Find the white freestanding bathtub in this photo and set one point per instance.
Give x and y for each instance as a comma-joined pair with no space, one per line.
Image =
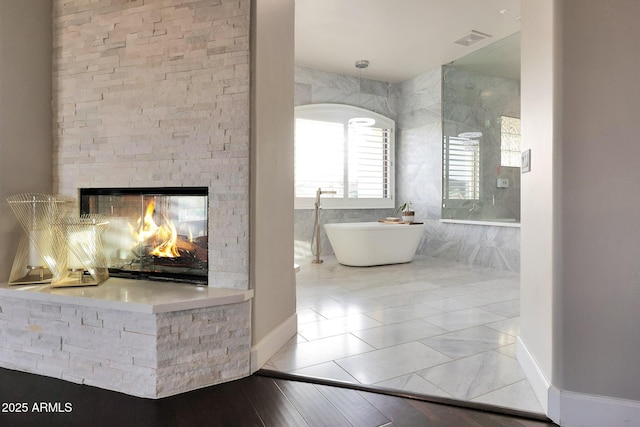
361,244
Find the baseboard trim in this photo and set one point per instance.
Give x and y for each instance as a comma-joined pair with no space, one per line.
539,382
270,344
571,409
577,409
554,404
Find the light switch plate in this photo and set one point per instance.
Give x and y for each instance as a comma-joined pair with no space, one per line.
526,161
502,183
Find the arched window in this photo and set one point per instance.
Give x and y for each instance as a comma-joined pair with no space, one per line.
345,149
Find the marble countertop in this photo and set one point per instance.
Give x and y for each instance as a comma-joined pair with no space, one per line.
140,296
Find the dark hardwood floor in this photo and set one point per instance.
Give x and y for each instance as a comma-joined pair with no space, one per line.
254,401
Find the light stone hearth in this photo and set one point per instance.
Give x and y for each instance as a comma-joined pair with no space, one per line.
142,338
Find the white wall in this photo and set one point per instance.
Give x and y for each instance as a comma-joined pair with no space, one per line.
537,206
600,246
580,240
271,206
25,112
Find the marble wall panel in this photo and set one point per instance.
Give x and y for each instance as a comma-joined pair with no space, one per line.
419,167
419,146
317,86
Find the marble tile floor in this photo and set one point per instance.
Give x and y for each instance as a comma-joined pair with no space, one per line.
433,326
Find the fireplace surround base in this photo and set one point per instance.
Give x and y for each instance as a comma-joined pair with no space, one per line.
145,339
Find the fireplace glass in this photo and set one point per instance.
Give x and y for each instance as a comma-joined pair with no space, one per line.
153,233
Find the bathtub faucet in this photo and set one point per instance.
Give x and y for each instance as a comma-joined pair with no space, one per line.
320,192
315,240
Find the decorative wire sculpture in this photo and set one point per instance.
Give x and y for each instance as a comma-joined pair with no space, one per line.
80,254
35,259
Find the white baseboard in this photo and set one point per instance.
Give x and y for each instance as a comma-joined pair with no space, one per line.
585,410
539,383
570,409
270,344
553,412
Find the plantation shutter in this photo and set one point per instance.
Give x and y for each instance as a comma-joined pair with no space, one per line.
368,153
461,160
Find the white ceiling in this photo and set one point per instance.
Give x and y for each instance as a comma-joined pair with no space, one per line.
400,38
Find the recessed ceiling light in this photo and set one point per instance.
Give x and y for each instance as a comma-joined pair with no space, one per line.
504,11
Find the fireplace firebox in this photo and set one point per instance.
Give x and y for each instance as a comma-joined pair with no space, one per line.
153,233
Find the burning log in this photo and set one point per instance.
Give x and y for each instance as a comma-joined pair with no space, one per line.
163,244
192,249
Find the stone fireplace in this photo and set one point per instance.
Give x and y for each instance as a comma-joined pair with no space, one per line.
155,94
142,331
147,94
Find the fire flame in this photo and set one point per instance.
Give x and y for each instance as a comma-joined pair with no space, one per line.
163,238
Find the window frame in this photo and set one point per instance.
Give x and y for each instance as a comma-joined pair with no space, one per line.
341,113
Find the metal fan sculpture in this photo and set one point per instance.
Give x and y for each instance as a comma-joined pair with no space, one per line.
80,253
35,259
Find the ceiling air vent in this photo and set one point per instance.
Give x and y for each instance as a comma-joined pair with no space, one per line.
472,37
